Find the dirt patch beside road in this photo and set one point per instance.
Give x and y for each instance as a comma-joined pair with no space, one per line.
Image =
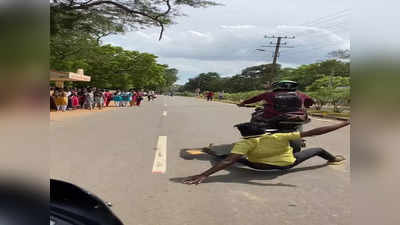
60,116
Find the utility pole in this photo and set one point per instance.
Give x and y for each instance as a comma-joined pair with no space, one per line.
276,53
277,45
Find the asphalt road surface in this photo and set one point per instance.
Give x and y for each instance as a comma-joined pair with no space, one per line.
131,157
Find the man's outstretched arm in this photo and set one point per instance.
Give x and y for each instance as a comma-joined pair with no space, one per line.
254,99
228,161
324,130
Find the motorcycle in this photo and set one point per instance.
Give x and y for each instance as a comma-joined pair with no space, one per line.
255,127
72,205
281,123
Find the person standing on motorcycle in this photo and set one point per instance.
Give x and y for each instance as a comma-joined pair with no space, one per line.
279,88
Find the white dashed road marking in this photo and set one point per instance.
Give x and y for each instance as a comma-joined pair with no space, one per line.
160,159
324,120
164,113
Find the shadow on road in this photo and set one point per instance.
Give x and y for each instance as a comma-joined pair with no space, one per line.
241,174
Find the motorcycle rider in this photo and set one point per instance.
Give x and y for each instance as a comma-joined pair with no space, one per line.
282,90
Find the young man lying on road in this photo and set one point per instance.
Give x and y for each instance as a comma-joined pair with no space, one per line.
271,151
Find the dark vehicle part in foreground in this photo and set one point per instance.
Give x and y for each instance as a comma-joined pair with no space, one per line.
71,205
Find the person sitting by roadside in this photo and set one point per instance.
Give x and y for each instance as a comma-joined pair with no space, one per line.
270,151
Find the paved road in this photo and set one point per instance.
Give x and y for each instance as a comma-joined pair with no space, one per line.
112,154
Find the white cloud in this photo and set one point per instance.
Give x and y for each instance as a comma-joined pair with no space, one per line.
237,26
228,51
144,35
199,34
224,39
304,30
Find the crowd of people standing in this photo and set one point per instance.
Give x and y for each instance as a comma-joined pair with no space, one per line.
63,99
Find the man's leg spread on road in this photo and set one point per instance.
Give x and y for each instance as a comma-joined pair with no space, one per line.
312,152
300,157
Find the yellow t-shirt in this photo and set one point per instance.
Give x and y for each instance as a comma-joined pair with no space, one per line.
271,149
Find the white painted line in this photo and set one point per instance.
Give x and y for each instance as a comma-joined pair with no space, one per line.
323,120
164,113
160,159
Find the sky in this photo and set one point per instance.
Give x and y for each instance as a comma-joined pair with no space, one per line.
224,38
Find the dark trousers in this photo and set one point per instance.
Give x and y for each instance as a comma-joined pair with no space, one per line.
300,157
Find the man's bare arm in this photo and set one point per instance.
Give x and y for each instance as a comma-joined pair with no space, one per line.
228,161
324,130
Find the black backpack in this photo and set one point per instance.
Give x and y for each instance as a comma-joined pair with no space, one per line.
285,102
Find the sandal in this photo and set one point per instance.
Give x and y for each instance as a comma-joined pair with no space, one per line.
338,161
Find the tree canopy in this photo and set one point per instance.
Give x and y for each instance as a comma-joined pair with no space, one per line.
330,89
107,16
305,75
251,78
205,81
254,77
76,29
114,67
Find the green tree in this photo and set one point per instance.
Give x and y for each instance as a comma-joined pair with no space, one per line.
305,75
76,29
331,89
340,97
321,98
329,82
171,76
259,75
125,14
251,78
254,77
114,67
205,81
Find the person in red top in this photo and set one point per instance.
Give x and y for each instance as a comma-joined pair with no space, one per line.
279,87
139,97
107,97
210,96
